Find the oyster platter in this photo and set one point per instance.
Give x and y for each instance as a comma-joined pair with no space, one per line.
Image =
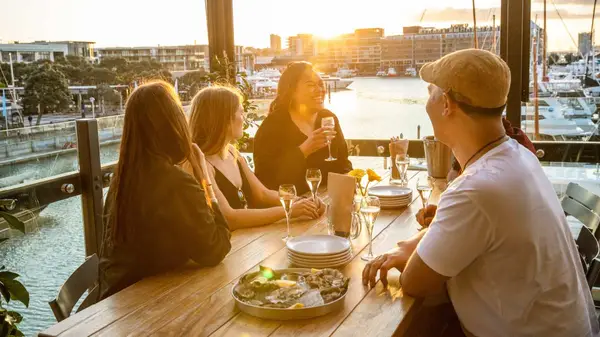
293,293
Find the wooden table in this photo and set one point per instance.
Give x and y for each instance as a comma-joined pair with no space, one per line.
196,301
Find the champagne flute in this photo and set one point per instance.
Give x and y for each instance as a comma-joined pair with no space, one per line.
287,194
402,161
329,123
369,209
313,179
424,191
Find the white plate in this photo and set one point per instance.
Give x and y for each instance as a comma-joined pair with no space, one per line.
389,191
320,257
318,244
320,265
305,260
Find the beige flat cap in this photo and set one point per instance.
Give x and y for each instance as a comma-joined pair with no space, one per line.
480,78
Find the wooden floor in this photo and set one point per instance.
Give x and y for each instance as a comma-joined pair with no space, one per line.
196,301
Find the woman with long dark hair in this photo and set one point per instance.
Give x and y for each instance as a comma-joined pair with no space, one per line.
157,216
216,122
291,139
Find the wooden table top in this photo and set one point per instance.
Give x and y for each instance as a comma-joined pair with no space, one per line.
196,301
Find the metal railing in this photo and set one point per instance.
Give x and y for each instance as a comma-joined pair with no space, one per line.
92,176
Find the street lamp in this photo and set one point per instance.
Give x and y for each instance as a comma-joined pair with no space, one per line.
92,99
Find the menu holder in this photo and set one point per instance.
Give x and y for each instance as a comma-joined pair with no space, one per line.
341,190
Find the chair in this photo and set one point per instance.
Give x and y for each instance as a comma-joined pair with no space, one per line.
85,277
587,199
588,248
582,213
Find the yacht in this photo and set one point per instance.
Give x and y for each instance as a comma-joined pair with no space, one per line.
410,72
552,122
345,73
391,72
335,83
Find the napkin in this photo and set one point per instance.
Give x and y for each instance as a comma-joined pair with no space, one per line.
341,190
397,146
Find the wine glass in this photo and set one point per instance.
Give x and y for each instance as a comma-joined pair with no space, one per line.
329,123
402,161
424,191
369,209
287,194
313,179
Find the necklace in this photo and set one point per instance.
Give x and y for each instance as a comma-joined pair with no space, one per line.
483,148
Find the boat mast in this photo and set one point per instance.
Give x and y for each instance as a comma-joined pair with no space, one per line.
536,116
494,33
587,58
475,27
545,57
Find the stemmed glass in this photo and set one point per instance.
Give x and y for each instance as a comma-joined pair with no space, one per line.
287,194
424,191
313,179
402,161
329,123
369,209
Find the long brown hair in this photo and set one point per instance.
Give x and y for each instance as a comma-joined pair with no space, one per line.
288,83
155,132
213,110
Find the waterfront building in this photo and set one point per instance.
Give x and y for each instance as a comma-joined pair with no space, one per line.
45,50
302,45
174,58
584,43
275,43
360,50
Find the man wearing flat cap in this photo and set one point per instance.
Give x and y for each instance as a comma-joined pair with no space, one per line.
499,243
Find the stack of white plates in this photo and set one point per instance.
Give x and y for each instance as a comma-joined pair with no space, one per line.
392,196
319,251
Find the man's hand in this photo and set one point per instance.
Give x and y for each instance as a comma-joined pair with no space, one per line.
397,258
426,215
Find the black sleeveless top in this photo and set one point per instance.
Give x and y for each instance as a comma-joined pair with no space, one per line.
237,198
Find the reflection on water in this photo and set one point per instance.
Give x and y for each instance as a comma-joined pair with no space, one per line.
45,258
373,108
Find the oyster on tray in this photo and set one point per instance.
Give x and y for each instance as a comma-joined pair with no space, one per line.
291,290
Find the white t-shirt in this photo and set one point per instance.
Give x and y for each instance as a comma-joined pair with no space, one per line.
501,236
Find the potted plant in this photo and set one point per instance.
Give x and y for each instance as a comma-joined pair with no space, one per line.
11,289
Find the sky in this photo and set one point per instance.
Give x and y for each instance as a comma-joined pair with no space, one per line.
153,22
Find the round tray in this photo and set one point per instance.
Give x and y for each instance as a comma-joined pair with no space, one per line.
288,314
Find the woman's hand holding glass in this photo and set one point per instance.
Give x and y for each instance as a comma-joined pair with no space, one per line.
316,141
305,207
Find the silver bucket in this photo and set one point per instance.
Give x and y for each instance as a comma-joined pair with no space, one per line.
439,157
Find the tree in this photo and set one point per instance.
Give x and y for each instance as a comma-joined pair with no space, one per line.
193,81
570,57
48,89
553,59
106,95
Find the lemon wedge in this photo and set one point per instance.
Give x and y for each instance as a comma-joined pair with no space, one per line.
314,271
285,283
297,306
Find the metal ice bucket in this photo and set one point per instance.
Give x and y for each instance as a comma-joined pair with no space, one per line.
439,157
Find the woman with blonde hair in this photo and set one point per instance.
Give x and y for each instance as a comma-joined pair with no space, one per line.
216,122
157,216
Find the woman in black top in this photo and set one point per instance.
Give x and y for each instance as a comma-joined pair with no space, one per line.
157,216
216,121
291,139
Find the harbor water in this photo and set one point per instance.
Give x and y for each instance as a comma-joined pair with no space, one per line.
370,108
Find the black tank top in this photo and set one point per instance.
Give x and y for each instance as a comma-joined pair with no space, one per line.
237,198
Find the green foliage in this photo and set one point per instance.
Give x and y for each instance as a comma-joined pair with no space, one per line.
104,91
46,87
553,59
11,289
192,82
225,73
